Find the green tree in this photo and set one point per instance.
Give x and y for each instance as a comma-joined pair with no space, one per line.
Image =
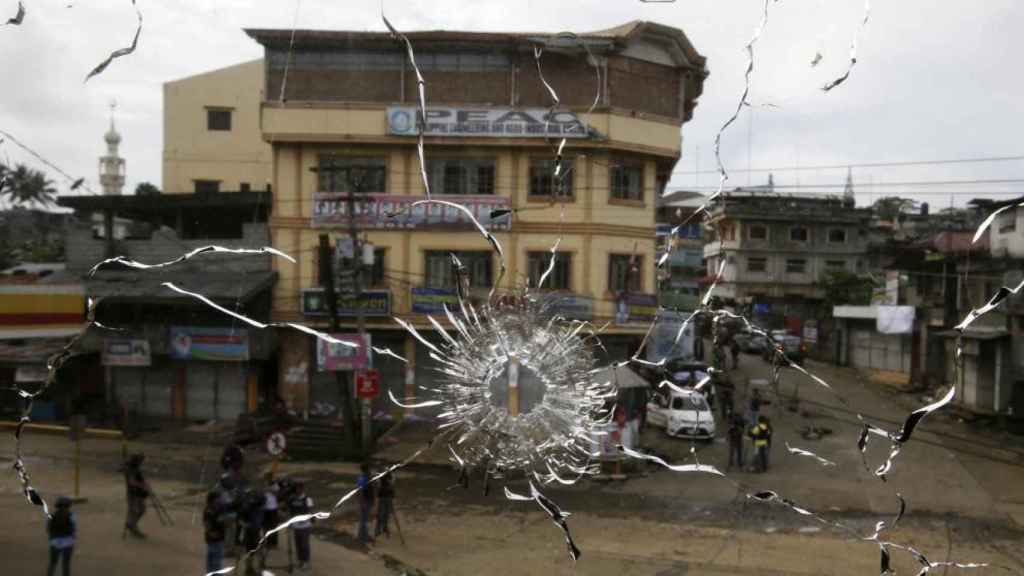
23,185
146,189
843,287
890,207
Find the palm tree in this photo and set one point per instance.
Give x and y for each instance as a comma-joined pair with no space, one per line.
23,185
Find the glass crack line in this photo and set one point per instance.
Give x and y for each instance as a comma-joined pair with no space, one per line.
853,51
125,261
120,51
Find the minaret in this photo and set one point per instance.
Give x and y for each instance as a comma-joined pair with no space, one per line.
848,189
112,165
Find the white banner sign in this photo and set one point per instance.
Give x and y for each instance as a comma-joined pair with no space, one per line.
497,122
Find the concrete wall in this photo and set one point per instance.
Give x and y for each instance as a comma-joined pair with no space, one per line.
84,251
191,152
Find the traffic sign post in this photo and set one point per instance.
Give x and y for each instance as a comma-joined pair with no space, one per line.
276,445
368,384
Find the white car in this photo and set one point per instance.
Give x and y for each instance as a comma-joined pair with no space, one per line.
682,413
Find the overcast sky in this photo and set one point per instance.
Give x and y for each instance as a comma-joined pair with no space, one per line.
934,80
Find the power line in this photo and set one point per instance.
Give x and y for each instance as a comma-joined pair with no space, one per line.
867,165
910,183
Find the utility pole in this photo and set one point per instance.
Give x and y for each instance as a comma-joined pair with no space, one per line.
344,384
357,281
326,255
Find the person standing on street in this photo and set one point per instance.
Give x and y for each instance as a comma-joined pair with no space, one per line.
61,528
300,504
760,434
252,513
735,436
385,504
214,531
227,489
137,491
734,348
366,498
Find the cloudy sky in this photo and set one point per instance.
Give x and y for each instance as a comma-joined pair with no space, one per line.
934,80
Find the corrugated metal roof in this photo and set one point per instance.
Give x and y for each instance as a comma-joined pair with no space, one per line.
148,285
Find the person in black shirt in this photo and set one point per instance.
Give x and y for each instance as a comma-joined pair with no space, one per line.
252,516
137,491
300,504
61,530
214,531
385,504
735,435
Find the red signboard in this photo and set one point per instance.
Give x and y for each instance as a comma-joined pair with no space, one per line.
368,384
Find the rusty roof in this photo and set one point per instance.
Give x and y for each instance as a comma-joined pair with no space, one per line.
616,36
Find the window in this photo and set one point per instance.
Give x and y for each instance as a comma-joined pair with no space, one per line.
837,236
352,174
461,176
835,264
244,187
796,265
757,264
627,181
206,186
218,119
757,232
798,234
543,181
728,231
477,263
559,279
374,275
624,273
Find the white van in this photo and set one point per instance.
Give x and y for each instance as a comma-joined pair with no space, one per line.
682,413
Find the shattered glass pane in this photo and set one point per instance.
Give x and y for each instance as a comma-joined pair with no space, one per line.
524,390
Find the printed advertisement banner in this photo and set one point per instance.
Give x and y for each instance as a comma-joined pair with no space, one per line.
332,357
432,300
126,352
396,211
375,303
217,344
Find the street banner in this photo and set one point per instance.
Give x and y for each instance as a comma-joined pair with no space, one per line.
432,300
201,343
396,211
570,306
331,357
126,352
636,308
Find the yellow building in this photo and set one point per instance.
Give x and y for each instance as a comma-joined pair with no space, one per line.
347,124
212,139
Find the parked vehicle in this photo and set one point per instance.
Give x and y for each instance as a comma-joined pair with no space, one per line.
792,346
751,342
682,413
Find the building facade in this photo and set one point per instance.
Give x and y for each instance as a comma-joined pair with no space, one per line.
680,276
776,248
212,139
344,119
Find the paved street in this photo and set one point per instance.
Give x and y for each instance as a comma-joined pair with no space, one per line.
962,488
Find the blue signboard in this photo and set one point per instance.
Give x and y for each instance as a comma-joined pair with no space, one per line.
217,344
432,300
